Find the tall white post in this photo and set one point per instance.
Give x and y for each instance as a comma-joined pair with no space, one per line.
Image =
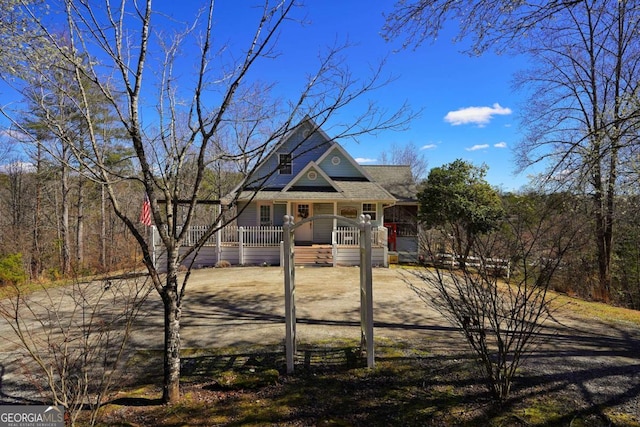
366,290
289,292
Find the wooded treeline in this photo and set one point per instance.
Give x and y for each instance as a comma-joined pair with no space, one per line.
55,240
578,273
60,235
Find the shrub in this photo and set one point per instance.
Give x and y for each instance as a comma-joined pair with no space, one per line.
11,270
223,264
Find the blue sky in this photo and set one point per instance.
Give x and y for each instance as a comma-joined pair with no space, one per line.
468,109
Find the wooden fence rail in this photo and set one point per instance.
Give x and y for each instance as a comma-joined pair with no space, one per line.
499,265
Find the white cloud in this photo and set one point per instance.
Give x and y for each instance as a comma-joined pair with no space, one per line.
428,147
365,160
477,147
475,115
500,145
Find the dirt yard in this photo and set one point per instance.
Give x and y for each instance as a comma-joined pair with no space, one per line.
598,360
237,306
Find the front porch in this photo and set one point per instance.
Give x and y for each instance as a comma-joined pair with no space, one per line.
262,245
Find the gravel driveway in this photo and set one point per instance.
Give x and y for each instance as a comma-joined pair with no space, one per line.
245,306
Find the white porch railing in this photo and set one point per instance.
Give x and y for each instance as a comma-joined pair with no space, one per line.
251,244
350,236
260,236
195,233
232,235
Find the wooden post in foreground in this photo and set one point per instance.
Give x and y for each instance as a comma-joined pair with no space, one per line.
289,293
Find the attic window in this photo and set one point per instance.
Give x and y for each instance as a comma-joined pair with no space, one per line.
284,165
335,160
312,175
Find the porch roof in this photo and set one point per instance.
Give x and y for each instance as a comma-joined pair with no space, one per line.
348,191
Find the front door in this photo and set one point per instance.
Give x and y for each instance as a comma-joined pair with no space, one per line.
303,234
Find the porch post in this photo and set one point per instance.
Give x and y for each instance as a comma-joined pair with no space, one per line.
385,245
366,290
219,242
241,245
289,292
334,246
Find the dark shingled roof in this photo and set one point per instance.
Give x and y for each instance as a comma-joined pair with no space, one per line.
347,190
396,179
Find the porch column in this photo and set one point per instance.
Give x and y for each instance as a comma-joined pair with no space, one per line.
334,242
219,242
335,212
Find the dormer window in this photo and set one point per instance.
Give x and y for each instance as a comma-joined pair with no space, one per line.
284,165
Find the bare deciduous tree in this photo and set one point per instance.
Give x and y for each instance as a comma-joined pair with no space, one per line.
408,155
500,318
582,117
136,54
580,120
76,336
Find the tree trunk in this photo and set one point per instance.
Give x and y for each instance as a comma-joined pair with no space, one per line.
604,240
65,250
172,313
36,259
35,266
80,224
604,261
103,230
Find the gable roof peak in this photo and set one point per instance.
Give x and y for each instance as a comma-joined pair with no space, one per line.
345,154
307,168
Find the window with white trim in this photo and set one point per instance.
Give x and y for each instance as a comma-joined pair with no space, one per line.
370,209
284,164
264,211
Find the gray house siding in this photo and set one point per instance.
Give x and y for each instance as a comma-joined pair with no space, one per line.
351,257
307,182
256,256
249,216
208,256
279,211
344,168
310,151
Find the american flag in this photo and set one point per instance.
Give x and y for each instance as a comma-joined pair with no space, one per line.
145,212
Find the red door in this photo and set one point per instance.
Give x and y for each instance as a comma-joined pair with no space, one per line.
392,235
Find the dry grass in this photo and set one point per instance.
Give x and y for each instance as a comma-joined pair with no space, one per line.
332,387
592,309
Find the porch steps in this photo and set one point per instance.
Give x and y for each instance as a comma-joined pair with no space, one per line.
316,255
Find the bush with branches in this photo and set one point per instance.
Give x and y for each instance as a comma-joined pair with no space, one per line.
499,316
75,336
